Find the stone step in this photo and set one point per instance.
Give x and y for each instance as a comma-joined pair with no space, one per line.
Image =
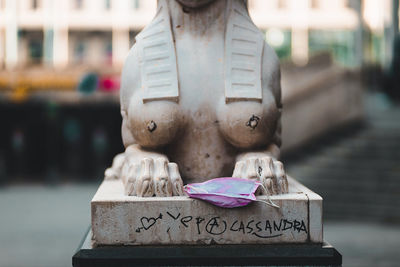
355,164
357,171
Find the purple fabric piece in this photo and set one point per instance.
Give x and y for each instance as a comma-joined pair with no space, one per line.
224,192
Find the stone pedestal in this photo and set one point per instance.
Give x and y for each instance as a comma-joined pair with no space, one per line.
128,220
207,255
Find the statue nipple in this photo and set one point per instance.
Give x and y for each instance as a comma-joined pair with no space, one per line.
151,126
253,122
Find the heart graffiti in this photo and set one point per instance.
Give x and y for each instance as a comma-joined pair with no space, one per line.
147,223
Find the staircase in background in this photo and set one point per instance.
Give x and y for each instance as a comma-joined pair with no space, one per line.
356,170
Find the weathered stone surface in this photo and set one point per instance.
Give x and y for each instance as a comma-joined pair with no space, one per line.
118,219
315,213
200,98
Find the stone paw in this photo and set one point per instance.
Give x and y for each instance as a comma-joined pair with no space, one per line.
152,177
113,173
268,171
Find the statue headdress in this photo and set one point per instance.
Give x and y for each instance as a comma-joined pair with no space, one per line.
243,54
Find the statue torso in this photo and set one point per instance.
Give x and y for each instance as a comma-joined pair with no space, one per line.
200,132
201,152
200,87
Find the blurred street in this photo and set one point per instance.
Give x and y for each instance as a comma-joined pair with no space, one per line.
43,225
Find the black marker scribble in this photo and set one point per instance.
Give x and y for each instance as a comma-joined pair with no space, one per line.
147,223
213,226
271,236
218,226
198,221
185,220
173,217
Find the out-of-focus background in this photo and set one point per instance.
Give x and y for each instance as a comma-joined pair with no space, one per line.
60,63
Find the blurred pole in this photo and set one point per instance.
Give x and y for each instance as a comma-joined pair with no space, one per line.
100,145
10,16
60,48
18,146
300,46
120,32
120,46
300,27
73,153
2,50
60,36
52,142
359,38
391,30
3,174
47,32
395,16
48,46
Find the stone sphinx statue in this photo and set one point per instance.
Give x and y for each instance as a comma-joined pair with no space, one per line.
200,99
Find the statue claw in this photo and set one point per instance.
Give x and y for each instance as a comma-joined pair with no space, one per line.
153,177
267,170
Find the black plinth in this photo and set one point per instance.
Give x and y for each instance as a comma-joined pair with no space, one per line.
211,255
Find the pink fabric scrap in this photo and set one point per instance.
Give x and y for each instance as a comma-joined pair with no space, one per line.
226,192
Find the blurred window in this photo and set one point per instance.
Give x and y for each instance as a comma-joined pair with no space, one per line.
136,4
34,4
35,51
315,4
339,43
282,4
79,51
107,4
108,50
78,4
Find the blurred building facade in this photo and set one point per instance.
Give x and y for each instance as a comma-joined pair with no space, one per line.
49,49
69,32
62,33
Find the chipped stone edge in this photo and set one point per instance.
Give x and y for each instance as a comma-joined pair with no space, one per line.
315,213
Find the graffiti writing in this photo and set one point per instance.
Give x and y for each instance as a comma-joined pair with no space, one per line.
217,226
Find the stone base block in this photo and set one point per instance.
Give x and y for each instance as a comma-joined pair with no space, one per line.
204,255
128,220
